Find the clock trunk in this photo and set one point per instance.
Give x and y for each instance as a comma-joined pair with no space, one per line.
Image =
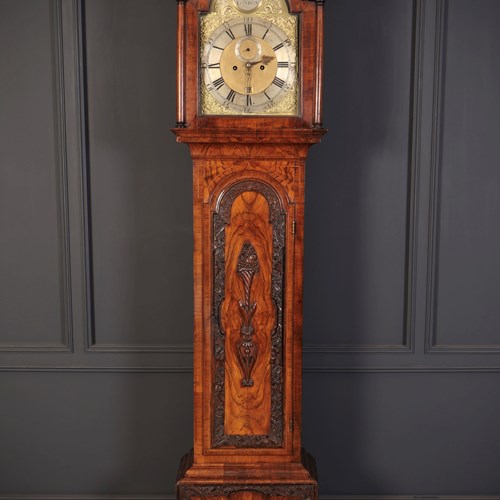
248,199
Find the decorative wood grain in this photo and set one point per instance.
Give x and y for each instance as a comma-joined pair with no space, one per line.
284,172
247,412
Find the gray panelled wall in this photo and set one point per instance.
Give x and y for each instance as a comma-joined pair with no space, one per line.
402,271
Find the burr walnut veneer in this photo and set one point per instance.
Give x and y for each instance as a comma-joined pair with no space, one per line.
248,192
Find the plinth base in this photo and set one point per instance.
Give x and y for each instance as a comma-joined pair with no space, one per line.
248,482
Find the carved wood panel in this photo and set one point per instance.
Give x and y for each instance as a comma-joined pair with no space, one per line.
248,270
248,491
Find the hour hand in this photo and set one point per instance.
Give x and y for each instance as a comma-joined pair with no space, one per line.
265,60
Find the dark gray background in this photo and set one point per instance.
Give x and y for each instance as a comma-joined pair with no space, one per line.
402,267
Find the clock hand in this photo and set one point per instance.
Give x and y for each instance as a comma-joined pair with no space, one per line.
248,71
248,78
265,60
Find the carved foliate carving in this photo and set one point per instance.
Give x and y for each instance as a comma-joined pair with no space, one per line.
304,491
247,267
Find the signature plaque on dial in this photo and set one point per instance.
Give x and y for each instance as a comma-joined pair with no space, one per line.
247,5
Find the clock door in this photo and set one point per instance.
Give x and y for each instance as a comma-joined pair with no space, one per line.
250,343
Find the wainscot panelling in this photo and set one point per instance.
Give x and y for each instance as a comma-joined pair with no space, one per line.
93,433
62,181
138,236
464,271
372,442
35,285
361,217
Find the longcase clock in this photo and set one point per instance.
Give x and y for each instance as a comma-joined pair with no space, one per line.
249,106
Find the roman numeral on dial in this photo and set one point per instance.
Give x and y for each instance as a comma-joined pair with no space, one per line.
278,82
220,82
281,45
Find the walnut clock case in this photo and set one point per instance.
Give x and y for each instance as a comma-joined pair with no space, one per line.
249,84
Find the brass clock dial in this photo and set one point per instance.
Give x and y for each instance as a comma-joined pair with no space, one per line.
248,65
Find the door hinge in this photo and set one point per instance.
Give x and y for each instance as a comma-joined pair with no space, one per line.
290,425
294,226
